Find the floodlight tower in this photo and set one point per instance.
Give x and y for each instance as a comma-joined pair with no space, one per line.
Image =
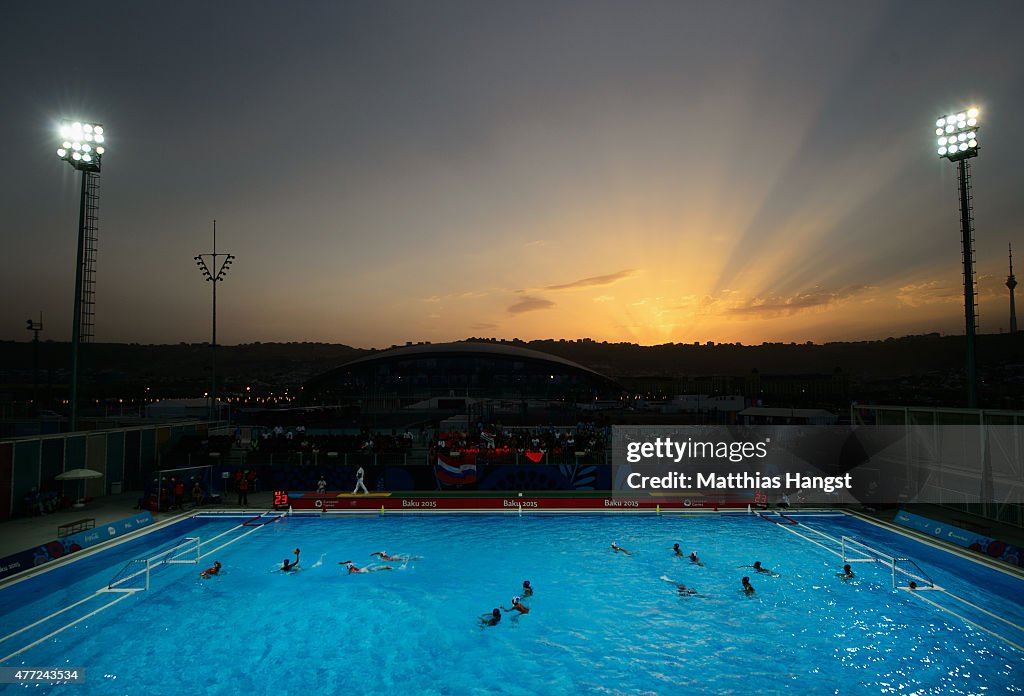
82,146
214,273
35,327
958,142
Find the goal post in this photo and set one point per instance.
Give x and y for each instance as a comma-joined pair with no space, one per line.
185,551
855,551
166,481
903,569
134,576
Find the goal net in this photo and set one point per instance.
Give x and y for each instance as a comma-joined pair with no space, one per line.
135,575
186,486
902,568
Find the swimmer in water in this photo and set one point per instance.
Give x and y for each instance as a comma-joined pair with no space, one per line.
682,589
288,565
693,559
912,585
353,568
211,571
678,551
491,619
385,557
619,549
748,589
527,589
757,566
517,605
847,573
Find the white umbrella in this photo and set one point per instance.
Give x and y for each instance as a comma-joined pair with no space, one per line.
78,475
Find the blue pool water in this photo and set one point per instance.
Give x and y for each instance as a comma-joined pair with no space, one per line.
600,622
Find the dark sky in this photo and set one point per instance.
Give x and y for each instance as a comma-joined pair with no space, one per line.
393,171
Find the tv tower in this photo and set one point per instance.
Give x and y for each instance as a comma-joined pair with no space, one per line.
1011,283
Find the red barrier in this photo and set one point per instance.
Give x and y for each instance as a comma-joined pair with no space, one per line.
313,501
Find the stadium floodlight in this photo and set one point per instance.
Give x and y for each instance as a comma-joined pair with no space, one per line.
214,272
958,135
78,140
80,146
36,326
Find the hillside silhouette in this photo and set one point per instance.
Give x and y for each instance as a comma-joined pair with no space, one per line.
924,367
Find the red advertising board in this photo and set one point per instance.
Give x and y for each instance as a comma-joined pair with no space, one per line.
348,502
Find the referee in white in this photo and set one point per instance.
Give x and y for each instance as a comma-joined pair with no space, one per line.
359,481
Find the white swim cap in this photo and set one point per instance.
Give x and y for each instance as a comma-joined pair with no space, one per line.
515,600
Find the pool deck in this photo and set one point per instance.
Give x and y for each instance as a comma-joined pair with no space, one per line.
26,532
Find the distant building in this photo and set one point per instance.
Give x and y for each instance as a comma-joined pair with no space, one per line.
797,388
703,403
448,372
760,415
192,409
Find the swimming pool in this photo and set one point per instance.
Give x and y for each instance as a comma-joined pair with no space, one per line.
600,622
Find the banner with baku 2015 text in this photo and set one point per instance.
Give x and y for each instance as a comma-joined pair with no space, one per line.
36,556
993,548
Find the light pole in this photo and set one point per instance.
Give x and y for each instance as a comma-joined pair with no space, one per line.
958,142
214,273
35,327
82,146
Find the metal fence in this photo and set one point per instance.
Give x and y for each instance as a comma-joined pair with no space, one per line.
974,458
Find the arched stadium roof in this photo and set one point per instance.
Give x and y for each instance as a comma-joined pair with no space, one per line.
465,349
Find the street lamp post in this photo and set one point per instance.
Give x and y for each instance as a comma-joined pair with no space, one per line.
958,142
214,273
82,146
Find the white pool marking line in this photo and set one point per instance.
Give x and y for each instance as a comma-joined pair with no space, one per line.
280,516
106,545
81,601
935,588
788,528
201,542
47,618
86,599
935,604
230,541
922,538
64,628
126,594
984,611
892,559
869,558
161,557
